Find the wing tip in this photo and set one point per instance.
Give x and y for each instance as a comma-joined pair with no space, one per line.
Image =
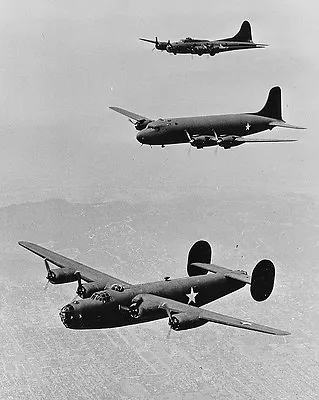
283,333
23,243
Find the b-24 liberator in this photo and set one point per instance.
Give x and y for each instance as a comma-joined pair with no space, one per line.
108,302
227,130
241,41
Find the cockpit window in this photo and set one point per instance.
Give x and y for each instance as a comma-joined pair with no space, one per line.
104,297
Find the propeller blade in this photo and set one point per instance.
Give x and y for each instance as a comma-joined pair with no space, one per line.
74,298
50,274
46,286
168,336
188,136
168,311
215,136
47,266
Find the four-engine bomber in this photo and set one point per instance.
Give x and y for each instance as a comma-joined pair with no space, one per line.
241,41
107,302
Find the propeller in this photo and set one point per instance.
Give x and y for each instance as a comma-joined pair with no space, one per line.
156,44
216,137
50,274
169,46
190,139
219,140
80,291
170,319
133,122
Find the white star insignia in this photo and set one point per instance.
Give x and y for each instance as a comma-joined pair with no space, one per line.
191,296
248,126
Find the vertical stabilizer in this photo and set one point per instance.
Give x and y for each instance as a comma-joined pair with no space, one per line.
272,108
244,34
200,252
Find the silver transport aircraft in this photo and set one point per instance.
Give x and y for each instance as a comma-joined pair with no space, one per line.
226,130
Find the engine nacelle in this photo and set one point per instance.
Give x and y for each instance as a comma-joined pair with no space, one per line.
184,321
62,275
200,50
86,290
203,141
142,306
229,141
142,124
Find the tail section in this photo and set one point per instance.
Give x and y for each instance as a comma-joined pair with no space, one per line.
244,34
272,108
200,252
262,280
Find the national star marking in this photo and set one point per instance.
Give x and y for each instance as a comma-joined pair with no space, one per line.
191,296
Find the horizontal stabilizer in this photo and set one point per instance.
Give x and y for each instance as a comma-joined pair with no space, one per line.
128,114
241,276
283,124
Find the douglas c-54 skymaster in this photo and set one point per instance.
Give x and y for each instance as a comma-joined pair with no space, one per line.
109,302
241,41
227,130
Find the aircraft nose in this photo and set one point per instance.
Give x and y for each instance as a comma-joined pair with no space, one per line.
145,136
140,137
68,316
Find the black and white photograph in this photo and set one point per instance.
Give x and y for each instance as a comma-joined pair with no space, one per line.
159,202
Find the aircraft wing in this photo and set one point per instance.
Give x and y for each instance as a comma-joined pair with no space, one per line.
148,40
172,306
260,140
88,274
129,114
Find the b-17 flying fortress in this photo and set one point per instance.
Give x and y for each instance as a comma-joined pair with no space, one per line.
108,302
241,41
226,131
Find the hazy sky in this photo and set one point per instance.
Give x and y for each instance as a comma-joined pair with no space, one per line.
63,63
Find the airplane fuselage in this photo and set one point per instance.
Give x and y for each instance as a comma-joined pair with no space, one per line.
94,313
201,47
178,130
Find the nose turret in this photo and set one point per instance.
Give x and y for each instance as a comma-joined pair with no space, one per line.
69,317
